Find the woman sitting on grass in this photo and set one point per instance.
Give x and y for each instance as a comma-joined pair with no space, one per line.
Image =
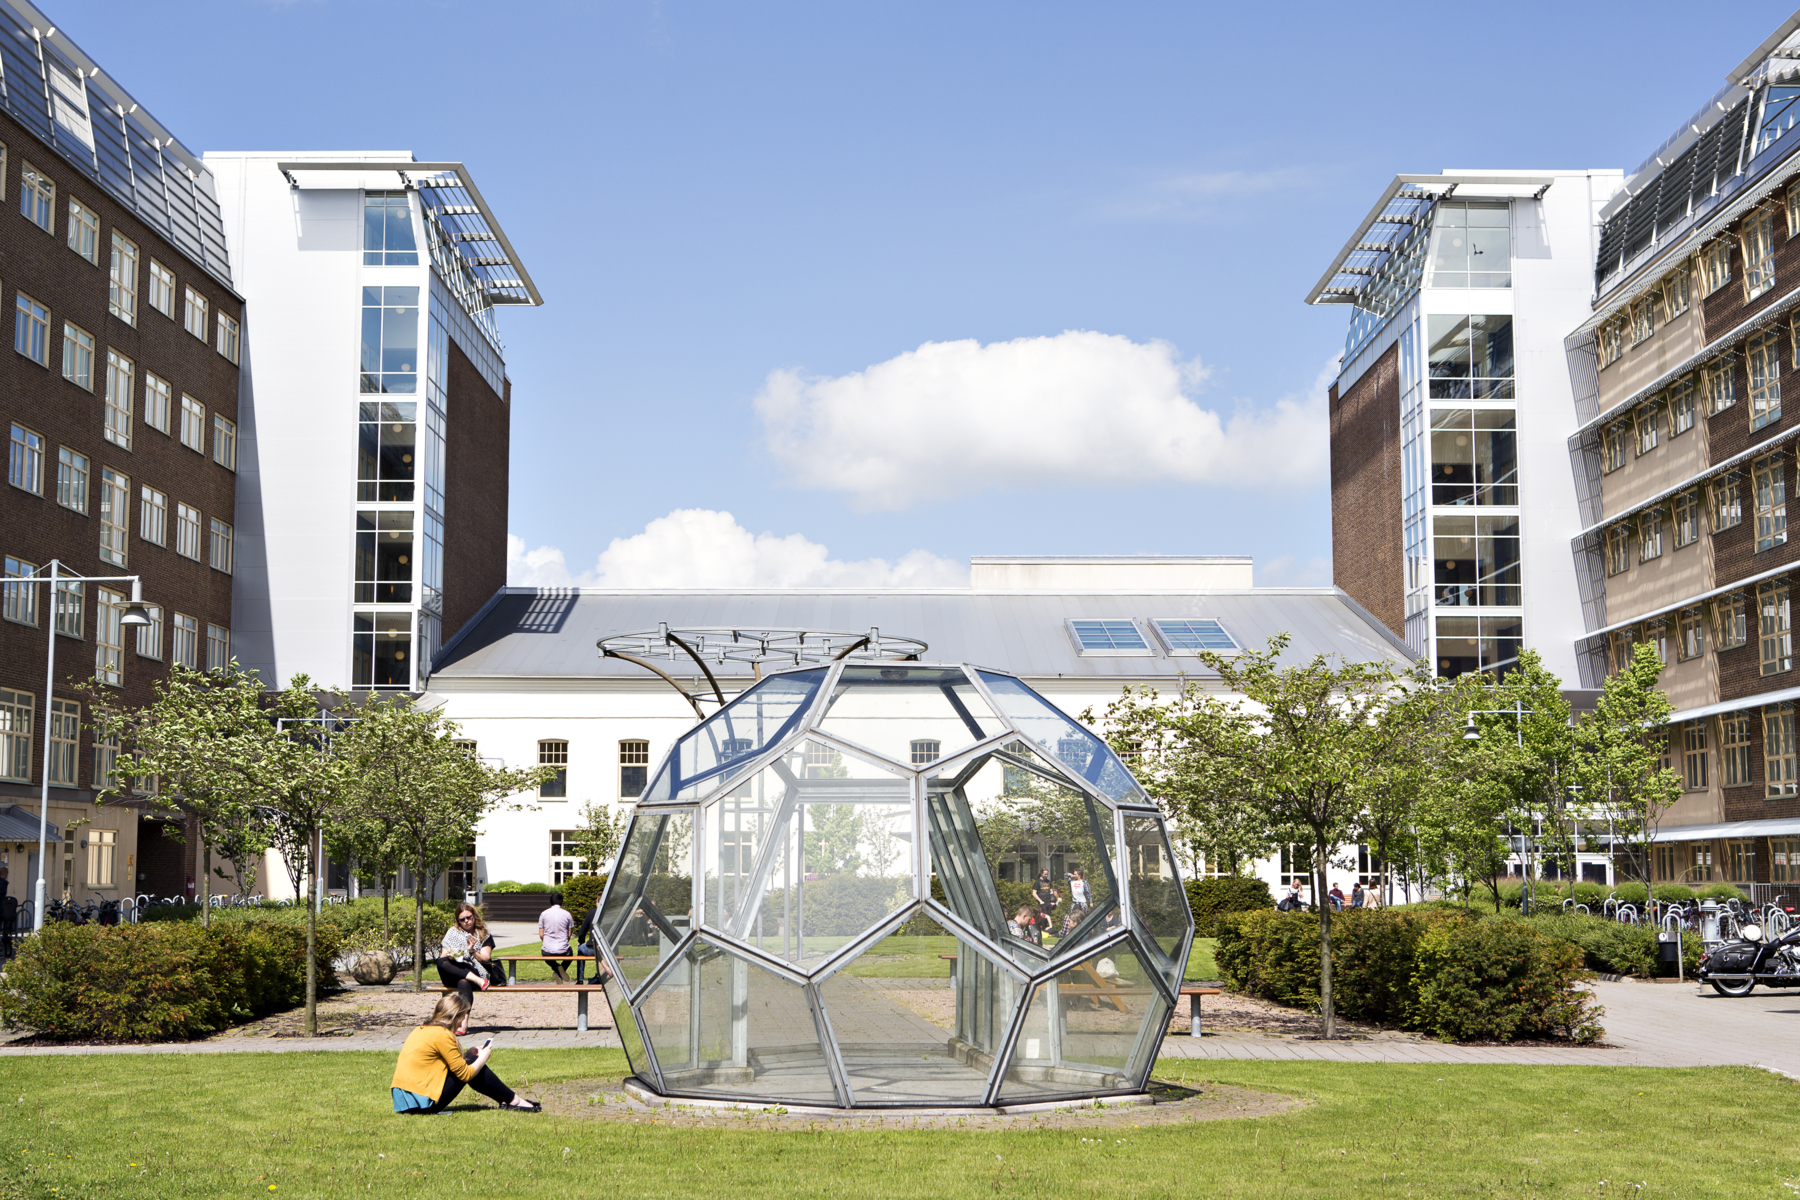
434,1068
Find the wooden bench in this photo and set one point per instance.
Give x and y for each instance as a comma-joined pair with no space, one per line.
1193,992
512,961
580,990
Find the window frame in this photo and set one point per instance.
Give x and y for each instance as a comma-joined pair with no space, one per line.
153,513
151,634
1768,476
18,727
229,344
65,744
37,197
1613,447
224,438
78,356
1731,621
1774,627
188,531
219,537
218,648
31,329
634,767
109,637
196,312
1762,369
1650,534
73,479
548,755
1756,241
1725,502
1715,264
1647,423
162,287
18,601
115,517
191,407
1073,626
122,279
1694,755
121,373
159,402
1618,548
1690,640
184,636
26,459
1677,283
1735,759
84,227
1171,646
1686,512
1779,759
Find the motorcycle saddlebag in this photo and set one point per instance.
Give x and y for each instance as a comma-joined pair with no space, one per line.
1734,958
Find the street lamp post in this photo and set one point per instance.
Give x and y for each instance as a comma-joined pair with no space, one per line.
135,615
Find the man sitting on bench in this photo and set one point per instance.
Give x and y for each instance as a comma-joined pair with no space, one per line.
554,927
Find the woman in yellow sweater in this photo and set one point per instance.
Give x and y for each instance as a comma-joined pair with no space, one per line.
434,1068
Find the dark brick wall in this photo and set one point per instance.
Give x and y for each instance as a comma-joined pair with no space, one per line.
36,528
1726,308
1367,547
477,442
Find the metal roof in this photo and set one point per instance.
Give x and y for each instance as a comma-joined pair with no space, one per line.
1774,827
19,824
550,633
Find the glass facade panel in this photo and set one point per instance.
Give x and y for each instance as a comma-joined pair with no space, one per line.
388,239
1475,560
1478,644
384,557
1471,357
1471,246
1093,1028
1474,456
390,339
1056,733
382,650
887,708
754,721
650,898
1159,906
387,451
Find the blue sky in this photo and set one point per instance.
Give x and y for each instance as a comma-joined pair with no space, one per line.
748,219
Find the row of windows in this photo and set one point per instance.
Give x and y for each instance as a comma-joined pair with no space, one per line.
1713,387
1719,504
1729,860
27,469
19,604
1736,764
1669,298
18,724
1178,635
37,202
634,768
1729,627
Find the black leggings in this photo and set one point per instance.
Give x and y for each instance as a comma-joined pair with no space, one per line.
460,976
485,1082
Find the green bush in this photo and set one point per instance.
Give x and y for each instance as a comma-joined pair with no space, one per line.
1722,891
1629,893
353,918
155,982
1668,893
1611,947
1208,898
579,896
1497,981
512,885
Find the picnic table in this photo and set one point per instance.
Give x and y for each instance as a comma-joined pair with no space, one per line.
512,961
1193,992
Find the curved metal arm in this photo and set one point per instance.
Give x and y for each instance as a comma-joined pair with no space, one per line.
858,644
702,665
648,666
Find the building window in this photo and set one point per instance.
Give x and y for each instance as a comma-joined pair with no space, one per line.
1681,408
71,479
926,750
37,198
387,452
1771,502
1731,621
123,279
565,860
1471,245
1734,750
1475,560
65,741
103,845
1687,519
118,399
1650,534
1727,503
18,601
149,637
390,339
1775,627
1619,650
1618,549
162,289
115,515
1779,777
186,644
1675,293
187,531
1693,634
15,737
84,231
109,637
25,460
634,768
1759,254
228,337
1693,755
1611,335
1739,859
1466,644
555,754
193,313
70,601
1656,636
218,648
1765,380
384,557
1109,636
31,330
1614,439
1715,265
219,546
1643,318
1471,357
193,424
224,442
1193,634
78,356
1474,456
388,239
1784,854
153,516
1720,388
157,397
382,647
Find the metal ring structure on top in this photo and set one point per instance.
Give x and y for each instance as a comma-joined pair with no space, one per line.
757,648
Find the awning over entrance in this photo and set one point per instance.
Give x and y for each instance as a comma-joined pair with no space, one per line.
1779,827
21,825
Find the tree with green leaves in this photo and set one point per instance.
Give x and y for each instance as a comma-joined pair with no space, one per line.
410,772
597,835
1621,747
376,852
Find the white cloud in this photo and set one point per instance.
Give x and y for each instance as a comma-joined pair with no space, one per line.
1289,571
701,548
1190,194
1078,409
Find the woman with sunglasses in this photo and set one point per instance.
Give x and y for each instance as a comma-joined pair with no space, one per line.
464,954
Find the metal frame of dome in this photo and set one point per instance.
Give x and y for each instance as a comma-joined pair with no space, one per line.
1017,973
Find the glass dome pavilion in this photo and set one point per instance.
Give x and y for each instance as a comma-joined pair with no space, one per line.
807,858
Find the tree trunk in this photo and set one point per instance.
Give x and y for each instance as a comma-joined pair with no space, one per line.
1328,1028
205,880
312,964
419,927
387,927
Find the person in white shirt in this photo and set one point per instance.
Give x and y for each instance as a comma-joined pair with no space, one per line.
555,924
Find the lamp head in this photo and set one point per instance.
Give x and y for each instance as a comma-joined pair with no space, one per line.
1470,733
136,615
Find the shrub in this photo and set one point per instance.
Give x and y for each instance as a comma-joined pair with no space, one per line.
160,981
1629,893
513,885
1722,891
579,896
1208,898
1499,980
1670,892
1611,947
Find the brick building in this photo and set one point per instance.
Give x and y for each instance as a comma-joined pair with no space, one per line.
121,404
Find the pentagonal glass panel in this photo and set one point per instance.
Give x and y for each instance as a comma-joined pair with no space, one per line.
1059,736
918,1018
913,715
809,853
755,721
1093,1028
626,1024
1159,905
723,1027
650,898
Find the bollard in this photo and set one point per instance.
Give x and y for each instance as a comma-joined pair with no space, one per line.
1709,921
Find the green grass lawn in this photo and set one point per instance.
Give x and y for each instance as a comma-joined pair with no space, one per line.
1200,964
298,1124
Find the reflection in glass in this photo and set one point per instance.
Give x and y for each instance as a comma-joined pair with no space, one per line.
626,1024
755,721
1474,456
651,893
1476,560
390,339
1159,905
1471,246
1057,734
1471,357
381,650
891,709
384,557
1092,1028
386,447
1467,644
388,231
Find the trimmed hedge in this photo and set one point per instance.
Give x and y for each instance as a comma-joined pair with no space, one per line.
579,895
1211,898
355,916
1434,970
163,981
509,886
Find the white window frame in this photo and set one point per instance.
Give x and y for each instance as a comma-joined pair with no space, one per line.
120,372
18,711
65,744
25,460
218,546
159,399
224,441
218,648
18,601
184,646
115,516
122,294
193,424
78,356
195,309
162,289
1173,650
229,338
109,637
153,516
73,474
37,197
187,531
84,231
1145,650
31,330
149,637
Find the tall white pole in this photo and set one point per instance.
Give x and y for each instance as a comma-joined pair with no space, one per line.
43,891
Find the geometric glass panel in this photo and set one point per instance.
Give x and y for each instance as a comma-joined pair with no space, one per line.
1159,905
756,720
912,715
723,1026
1060,737
1092,1028
648,906
626,1024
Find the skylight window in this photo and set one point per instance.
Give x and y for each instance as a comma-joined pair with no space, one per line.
1190,635
1109,637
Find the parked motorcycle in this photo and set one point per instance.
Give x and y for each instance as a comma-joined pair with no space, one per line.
1735,967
